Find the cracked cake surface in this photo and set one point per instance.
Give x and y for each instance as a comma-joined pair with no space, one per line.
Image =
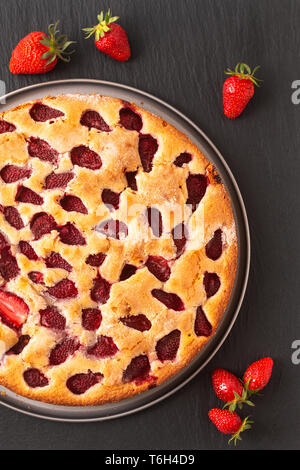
118,250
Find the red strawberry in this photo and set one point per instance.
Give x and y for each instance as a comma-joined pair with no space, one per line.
38,52
13,309
13,173
36,277
226,385
238,89
110,38
229,423
258,374
230,389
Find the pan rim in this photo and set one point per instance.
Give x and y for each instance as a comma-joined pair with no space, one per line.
244,275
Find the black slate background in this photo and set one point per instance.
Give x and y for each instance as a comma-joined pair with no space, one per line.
180,50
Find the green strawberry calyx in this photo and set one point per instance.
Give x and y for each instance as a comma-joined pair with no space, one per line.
246,424
57,45
102,27
240,400
243,71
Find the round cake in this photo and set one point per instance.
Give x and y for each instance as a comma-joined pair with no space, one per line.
118,250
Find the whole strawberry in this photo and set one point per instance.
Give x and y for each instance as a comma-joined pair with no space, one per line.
229,423
226,385
110,38
258,374
38,52
230,389
238,89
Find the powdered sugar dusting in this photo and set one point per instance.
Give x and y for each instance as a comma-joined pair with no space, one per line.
229,235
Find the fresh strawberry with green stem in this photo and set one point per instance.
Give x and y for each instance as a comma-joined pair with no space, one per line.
229,423
13,309
38,52
230,389
238,89
258,374
110,37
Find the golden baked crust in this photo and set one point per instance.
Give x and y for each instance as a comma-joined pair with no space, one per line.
160,184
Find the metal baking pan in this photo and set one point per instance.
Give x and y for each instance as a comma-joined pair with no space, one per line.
181,122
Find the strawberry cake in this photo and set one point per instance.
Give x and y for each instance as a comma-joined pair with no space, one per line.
118,250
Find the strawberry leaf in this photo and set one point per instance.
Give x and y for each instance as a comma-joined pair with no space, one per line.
102,27
243,71
246,424
241,400
56,45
